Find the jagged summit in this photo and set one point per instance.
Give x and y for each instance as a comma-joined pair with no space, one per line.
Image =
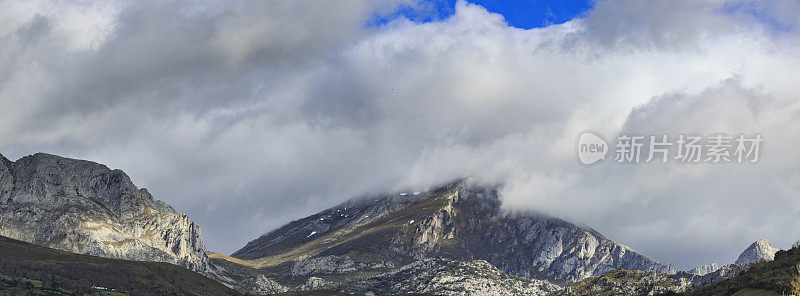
458,221
757,251
85,207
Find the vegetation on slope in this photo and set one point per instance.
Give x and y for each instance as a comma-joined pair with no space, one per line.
766,278
781,275
75,272
622,282
21,286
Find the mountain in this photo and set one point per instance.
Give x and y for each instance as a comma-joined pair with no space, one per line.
780,276
461,222
694,282
55,271
757,251
85,207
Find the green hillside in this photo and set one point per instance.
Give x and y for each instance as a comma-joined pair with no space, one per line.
28,266
778,277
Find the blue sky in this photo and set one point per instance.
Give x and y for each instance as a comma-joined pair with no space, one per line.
524,14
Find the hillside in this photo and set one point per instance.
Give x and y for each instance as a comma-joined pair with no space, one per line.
625,282
760,270
76,272
781,276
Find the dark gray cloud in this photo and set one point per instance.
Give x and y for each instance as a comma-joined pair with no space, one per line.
246,115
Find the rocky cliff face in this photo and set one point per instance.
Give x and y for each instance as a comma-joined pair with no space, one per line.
704,269
85,207
757,251
526,244
459,222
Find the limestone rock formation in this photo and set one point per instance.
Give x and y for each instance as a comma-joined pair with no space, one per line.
85,207
439,276
704,269
757,251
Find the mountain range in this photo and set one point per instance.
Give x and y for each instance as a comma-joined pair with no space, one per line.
454,239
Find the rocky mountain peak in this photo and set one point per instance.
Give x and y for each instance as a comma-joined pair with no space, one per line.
457,221
757,251
91,209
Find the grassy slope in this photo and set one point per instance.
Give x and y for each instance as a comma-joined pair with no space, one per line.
359,237
20,259
756,292
624,282
10,286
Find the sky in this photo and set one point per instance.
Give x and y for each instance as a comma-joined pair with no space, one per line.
248,114
524,14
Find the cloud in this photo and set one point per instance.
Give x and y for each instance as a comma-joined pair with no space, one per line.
246,115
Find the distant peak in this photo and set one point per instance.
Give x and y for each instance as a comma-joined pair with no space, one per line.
758,251
705,269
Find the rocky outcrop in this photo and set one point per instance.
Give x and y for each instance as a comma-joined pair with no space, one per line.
761,250
315,283
249,282
704,269
84,207
636,283
724,272
628,282
336,265
439,276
